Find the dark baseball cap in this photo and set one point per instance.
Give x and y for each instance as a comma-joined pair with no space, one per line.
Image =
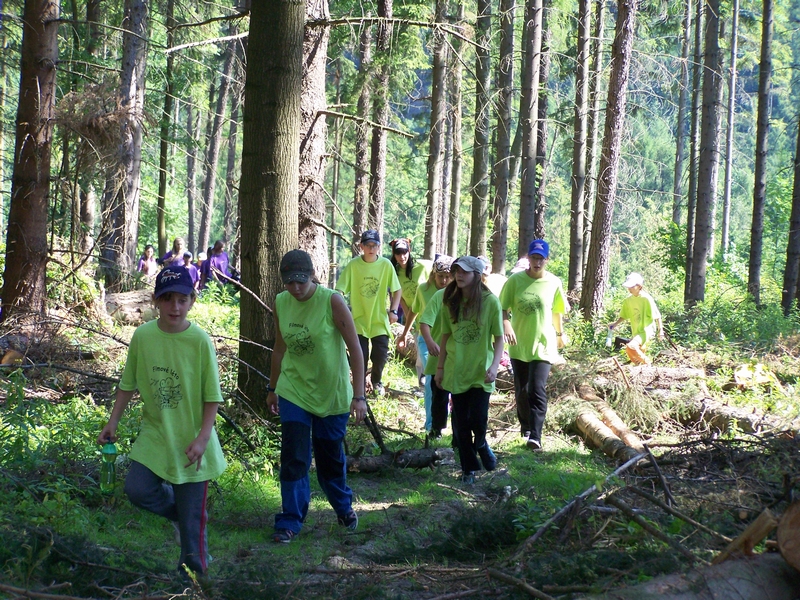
173,279
371,236
469,263
296,266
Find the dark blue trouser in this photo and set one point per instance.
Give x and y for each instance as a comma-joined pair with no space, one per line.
470,416
379,355
184,503
530,381
300,430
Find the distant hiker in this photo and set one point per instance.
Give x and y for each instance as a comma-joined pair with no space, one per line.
193,272
411,274
312,393
493,281
148,265
640,309
366,280
173,364
533,304
215,267
469,356
174,257
427,304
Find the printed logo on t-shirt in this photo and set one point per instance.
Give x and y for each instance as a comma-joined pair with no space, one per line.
411,288
467,332
299,343
166,386
369,288
529,303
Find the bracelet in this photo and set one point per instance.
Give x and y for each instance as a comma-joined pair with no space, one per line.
270,389
359,398
394,312
558,333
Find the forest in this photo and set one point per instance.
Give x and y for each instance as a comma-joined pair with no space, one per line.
651,137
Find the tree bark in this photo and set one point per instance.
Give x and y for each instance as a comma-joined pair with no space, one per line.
215,144
123,183
455,102
726,195
26,239
166,123
270,160
680,127
436,137
313,132
362,166
580,124
377,179
539,230
598,263
480,148
505,87
229,230
762,137
791,271
528,113
192,128
708,165
694,147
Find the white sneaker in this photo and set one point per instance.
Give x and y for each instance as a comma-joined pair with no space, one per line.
533,444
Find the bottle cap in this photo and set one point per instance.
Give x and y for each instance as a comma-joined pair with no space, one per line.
109,448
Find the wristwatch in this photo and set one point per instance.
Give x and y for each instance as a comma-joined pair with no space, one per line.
359,398
394,312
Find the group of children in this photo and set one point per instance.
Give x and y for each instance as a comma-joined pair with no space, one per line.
463,327
211,265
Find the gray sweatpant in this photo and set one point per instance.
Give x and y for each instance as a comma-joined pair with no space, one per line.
183,503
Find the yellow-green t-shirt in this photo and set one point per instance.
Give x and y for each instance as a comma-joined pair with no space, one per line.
470,347
532,303
176,374
366,284
419,274
642,312
430,316
315,374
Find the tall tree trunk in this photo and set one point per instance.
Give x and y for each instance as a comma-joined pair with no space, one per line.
726,195
88,202
122,189
480,148
791,271
338,144
231,175
362,166
762,137
436,136
270,162
166,123
3,88
455,102
313,237
579,149
93,18
680,127
708,165
215,143
528,113
597,266
447,174
694,146
192,127
593,125
505,87
541,132
26,239
377,178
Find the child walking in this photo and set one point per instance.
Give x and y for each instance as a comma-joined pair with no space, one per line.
173,364
469,356
640,309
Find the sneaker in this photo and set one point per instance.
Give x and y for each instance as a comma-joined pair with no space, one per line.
350,520
378,389
533,444
468,477
283,536
488,459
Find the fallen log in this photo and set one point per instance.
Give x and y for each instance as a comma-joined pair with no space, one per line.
602,436
762,576
404,459
610,417
789,535
722,418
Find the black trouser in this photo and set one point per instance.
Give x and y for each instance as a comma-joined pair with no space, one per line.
530,380
439,400
379,355
471,416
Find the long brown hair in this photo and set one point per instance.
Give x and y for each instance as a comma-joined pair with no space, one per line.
470,298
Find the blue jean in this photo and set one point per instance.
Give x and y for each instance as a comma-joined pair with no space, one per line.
300,431
471,416
422,357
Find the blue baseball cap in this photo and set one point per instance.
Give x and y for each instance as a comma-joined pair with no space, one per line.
539,247
173,279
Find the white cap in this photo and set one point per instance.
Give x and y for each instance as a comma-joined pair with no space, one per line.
633,280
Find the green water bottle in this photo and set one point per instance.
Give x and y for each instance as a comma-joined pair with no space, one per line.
108,470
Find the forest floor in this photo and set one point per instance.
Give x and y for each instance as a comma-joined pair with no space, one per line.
422,533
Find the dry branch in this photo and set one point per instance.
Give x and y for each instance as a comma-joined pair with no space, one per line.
519,584
408,459
661,478
749,538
